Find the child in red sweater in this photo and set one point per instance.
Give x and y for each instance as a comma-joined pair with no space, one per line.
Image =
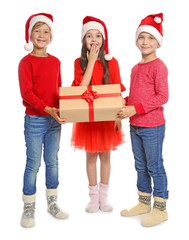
40,78
96,67
148,92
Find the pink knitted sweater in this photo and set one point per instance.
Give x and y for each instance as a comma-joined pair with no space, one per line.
148,92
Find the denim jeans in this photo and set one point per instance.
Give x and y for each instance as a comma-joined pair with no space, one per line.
147,144
42,133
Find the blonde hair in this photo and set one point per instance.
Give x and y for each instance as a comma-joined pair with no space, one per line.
39,24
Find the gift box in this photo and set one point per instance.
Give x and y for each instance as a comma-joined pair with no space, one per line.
90,103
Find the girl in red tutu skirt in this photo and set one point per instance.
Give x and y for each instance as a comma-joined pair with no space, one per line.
95,67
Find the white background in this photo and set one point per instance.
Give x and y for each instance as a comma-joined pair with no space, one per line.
122,18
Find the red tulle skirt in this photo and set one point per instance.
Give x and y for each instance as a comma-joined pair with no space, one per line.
96,136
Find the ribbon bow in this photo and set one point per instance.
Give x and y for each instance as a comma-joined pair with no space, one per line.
89,96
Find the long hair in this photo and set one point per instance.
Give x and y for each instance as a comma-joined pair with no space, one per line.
84,61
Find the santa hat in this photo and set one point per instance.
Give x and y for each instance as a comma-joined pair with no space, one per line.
32,20
95,23
152,24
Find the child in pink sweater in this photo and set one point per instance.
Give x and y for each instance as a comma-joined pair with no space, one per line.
148,92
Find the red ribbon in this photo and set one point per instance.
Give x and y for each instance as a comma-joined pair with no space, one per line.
89,95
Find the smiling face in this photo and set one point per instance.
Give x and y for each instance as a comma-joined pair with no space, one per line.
93,37
147,44
40,35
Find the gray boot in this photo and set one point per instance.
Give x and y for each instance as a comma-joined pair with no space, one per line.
28,216
53,208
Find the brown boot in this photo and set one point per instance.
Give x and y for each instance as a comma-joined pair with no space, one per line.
158,214
144,206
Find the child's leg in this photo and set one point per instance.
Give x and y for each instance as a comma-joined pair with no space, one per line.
91,159
35,128
51,148
34,133
143,177
93,205
153,147
105,168
153,142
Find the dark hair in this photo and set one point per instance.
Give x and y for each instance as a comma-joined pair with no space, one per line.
84,61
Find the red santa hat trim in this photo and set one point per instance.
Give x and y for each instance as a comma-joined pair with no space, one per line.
152,24
32,20
95,23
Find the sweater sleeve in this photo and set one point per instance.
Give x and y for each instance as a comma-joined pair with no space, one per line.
115,74
78,73
160,96
25,80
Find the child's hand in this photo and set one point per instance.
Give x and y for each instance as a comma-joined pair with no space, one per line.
117,126
93,54
127,112
54,113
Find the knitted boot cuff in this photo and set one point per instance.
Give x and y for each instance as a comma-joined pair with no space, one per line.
145,199
160,205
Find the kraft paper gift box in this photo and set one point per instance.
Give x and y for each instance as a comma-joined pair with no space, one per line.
90,103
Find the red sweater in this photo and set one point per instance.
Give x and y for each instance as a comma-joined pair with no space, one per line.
148,92
39,79
97,76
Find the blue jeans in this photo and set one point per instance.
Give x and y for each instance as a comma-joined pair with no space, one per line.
147,144
42,133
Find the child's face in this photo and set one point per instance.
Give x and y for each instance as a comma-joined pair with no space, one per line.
41,36
147,43
93,37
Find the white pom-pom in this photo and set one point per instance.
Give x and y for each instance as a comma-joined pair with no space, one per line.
108,57
157,19
28,47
